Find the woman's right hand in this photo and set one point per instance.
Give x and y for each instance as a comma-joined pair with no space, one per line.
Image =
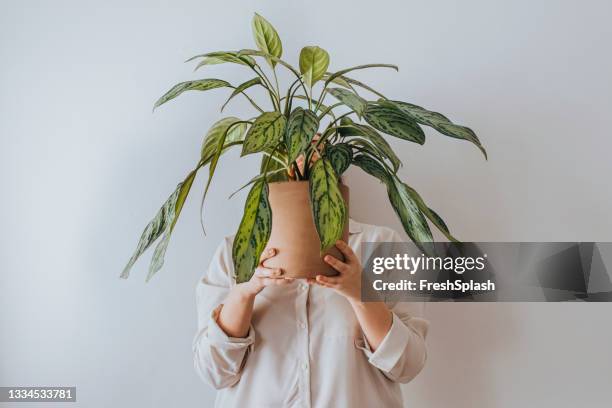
264,276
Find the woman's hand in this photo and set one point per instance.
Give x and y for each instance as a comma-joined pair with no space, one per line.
263,276
348,283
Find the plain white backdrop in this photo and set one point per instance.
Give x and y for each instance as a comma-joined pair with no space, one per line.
84,164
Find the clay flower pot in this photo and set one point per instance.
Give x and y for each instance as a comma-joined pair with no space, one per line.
294,234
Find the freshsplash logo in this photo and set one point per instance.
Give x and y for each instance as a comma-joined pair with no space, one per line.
411,265
487,272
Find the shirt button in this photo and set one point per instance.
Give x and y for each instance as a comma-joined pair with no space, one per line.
303,286
305,366
302,326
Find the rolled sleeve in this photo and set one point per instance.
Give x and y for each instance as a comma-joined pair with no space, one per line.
402,353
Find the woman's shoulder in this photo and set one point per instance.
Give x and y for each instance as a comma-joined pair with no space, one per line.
374,233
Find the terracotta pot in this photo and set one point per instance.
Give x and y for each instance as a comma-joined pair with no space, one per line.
294,235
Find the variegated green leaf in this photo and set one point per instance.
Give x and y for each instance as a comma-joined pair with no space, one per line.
267,38
393,122
164,221
219,130
241,88
328,207
253,232
350,99
349,128
347,82
341,73
197,85
160,250
340,156
218,150
437,121
429,213
215,58
266,131
313,64
301,128
372,167
410,215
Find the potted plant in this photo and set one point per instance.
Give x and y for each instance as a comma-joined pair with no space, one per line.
287,199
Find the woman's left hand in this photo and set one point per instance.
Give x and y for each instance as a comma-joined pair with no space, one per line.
348,282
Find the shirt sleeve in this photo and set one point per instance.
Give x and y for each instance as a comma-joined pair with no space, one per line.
402,354
218,358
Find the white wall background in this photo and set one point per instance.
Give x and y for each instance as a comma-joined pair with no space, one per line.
84,165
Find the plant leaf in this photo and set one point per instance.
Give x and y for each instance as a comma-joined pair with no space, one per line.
340,156
217,131
197,85
267,38
402,201
437,121
372,167
349,128
157,261
253,232
429,213
164,221
410,215
271,58
328,207
266,131
341,73
241,88
313,64
214,159
301,128
350,99
215,58
393,122
347,82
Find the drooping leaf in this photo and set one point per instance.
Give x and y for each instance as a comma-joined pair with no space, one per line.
266,131
393,122
437,121
372,167
340,156
266,38
350,99
349,128
253,232
402,201
164,221
410,215
313,64
241,88
160,250
219,130
341,73
217,152
328,207
429,213
197,85
301,128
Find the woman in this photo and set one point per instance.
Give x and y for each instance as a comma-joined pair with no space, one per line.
279,342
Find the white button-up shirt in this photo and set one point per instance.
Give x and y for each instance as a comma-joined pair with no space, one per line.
305,347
